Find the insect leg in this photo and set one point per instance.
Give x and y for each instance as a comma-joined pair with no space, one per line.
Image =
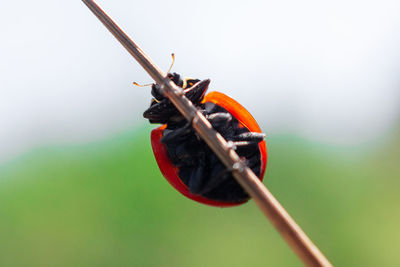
250,137
219,119
175,135
244,143
245,148
197,91
160,112
254,164
218,175
197,178
156,92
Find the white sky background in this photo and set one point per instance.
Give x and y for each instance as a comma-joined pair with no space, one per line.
327,71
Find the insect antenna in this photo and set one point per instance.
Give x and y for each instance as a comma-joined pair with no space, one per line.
142,85
173,61
150,84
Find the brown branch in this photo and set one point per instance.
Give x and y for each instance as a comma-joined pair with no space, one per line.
278,216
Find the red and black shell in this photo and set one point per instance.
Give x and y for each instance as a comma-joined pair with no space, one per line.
186,161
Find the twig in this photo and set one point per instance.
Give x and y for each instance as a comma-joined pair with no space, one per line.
278,216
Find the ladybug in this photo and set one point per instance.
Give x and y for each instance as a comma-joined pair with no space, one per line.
186,161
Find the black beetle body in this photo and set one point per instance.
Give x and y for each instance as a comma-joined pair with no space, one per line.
198,167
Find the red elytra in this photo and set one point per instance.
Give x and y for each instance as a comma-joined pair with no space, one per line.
170,172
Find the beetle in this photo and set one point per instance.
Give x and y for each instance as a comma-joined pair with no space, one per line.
186,161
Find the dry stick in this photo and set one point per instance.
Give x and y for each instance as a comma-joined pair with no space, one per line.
287,227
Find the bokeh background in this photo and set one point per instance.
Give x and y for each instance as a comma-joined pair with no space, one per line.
79,185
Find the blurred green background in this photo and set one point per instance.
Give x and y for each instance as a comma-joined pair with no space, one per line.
107,204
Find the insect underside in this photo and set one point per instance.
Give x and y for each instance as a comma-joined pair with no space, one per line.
198,167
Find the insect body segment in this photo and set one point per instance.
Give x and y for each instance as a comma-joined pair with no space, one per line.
186,161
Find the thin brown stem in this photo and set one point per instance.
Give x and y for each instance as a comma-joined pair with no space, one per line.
278,216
